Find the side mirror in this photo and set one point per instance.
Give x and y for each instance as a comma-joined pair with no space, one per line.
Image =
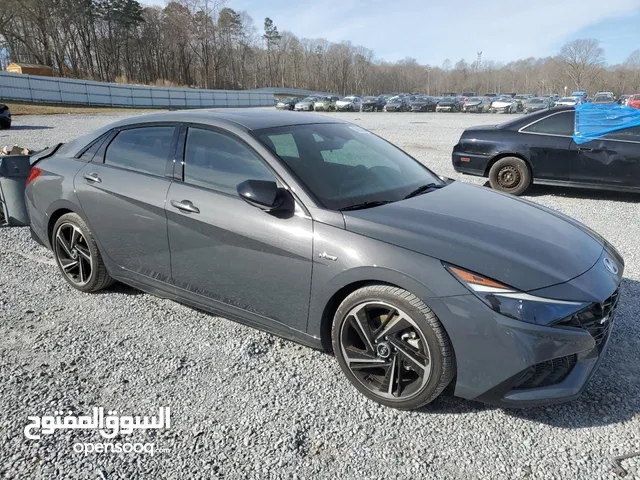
266,196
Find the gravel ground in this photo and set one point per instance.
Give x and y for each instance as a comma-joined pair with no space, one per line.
245,404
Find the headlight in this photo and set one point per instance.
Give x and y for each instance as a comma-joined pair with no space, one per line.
513,303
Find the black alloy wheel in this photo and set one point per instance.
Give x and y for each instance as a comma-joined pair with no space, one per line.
392,347
76,253
73,254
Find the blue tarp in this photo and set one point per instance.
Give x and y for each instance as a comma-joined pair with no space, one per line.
593,121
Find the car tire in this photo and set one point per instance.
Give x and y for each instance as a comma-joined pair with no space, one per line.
71,241
510,175
5,125
417,353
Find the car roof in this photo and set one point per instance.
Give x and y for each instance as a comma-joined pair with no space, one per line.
247,119
518,122
250,119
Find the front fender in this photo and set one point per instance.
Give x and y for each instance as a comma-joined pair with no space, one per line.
360,259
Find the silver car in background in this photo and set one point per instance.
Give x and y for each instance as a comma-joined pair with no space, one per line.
352,103
306,104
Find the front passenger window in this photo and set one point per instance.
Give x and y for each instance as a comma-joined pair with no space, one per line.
218,161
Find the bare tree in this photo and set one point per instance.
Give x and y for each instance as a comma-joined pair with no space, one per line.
584,60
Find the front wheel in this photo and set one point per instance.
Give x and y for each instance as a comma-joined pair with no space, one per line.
392,347
510,175
76,253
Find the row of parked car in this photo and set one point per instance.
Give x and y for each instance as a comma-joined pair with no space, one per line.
490,103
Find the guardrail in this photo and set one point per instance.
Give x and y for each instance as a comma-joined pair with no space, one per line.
37,89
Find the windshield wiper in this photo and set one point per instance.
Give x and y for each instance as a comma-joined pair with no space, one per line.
424,188
359,206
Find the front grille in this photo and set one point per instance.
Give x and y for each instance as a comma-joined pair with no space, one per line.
547,373
597,319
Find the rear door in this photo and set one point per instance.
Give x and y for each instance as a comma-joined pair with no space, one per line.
228,251
122,193
548,142
613,160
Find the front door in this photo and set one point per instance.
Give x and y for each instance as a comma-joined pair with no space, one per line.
613,160
548,140
228,251
122,194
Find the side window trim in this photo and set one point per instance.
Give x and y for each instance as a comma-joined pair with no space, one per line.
564,112
180,157
231,135
170,153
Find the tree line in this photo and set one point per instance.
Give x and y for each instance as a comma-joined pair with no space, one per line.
205,44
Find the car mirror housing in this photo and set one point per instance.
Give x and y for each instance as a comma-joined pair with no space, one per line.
266,195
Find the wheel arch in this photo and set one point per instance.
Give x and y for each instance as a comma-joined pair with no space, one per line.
334,302
55,211
353,280
502,155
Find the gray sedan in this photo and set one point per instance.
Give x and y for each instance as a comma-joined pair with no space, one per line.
323,233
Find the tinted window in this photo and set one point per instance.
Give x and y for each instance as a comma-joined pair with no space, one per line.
558,124
343,165
143,149
630,134
218,161
88,154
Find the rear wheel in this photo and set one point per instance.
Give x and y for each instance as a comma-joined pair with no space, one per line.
510,175
392,347
77,254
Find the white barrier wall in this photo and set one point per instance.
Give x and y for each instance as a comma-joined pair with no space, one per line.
36,89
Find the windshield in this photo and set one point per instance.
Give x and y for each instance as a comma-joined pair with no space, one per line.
635,97
474,99
310,99
603,98
536,100
348,99
370,99
568,100
395,99
342,165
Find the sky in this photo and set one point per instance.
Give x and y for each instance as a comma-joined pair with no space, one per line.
437,30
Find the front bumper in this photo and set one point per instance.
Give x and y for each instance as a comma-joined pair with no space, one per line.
443,109
303,108
473,108
511,363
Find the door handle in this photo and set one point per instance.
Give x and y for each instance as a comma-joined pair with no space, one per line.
581,149
185,206
92,177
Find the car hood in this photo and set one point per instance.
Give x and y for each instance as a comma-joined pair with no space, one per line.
472,103
501,103
446,104
536,105
519,243
344,102
304,103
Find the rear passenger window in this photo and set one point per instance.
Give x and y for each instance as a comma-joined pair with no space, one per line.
218,161
144,149
89,153
557,124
